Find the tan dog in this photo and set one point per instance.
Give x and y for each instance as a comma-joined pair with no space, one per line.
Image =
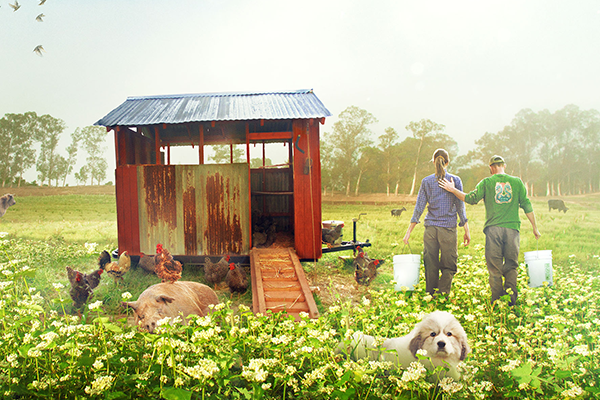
439,334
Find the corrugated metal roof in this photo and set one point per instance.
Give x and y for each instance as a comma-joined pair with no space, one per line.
177,109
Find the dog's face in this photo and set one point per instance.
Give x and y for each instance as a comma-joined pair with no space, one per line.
442,336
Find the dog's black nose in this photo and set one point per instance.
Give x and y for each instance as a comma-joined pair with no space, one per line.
441,345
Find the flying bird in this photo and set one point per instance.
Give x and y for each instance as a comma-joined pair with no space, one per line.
39,17
15,6
42,2
38,50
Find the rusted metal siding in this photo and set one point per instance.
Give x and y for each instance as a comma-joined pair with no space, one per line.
194,209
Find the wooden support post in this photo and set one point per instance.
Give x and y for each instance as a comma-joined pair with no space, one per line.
201,146
117,161
157,145
169,154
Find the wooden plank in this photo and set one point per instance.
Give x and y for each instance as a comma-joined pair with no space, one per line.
258,289
279,283
310,301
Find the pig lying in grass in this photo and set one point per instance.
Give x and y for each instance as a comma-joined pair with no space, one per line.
171,300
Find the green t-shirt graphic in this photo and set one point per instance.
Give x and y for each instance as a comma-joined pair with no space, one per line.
502,195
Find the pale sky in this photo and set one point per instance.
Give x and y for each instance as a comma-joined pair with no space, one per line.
469,65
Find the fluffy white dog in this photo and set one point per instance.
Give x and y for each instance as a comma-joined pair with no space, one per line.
439,334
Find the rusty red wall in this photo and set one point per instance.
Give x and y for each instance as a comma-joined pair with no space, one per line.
307,189
126,192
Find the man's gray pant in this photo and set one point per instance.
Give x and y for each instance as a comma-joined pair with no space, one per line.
438,240
502,257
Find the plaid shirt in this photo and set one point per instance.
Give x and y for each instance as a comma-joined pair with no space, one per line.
443,205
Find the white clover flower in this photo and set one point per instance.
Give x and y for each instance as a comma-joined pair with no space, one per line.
7,272
98,364
5,284
582,350
3,234
90,248
401,303
422,352
512,364
366,302
448,385
470,317
57,286
126,296
100,385
95,305
334,309
428,298
34,353
573,391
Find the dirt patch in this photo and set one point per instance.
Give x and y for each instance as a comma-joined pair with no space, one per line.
57,191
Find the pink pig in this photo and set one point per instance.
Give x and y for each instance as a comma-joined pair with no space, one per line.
171,300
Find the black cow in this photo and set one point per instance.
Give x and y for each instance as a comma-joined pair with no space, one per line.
557,205
6,201
397,212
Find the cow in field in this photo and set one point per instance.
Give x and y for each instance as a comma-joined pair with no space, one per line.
397,212
557,205
6,201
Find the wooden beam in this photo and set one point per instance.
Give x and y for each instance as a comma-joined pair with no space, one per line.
258,136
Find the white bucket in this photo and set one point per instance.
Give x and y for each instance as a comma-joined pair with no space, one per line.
331,224
539,267
406,271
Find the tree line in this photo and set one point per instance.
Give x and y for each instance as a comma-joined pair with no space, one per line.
554,154
30,140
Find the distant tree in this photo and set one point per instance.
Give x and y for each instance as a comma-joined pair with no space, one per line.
48,131
82,176
349,136
422,130
17,154
71,159
258,162
387,143
92,139
222,154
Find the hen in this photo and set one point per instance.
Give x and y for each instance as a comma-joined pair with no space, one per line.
115,269
331,235
214,273
82,285
236,279
365,269
167,268
147,263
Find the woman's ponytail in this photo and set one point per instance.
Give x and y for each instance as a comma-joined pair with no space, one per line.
440,159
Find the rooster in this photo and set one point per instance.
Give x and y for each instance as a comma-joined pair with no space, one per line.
330,235
167,268
82,285
214,273
236,279
115,269
365,269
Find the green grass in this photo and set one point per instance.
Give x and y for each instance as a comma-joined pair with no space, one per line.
73,220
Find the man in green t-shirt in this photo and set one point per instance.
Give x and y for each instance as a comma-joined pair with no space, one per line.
502,195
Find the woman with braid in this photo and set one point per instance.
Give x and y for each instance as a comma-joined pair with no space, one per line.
440,238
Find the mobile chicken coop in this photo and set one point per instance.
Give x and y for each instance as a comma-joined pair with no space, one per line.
201,209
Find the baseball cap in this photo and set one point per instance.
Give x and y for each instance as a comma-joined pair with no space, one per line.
496,160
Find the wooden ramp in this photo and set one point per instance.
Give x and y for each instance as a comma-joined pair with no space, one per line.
279,283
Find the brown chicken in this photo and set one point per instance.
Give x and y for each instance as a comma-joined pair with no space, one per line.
115,269
147,263
236,279
215,273
82,285
330,235
365,269
167,268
